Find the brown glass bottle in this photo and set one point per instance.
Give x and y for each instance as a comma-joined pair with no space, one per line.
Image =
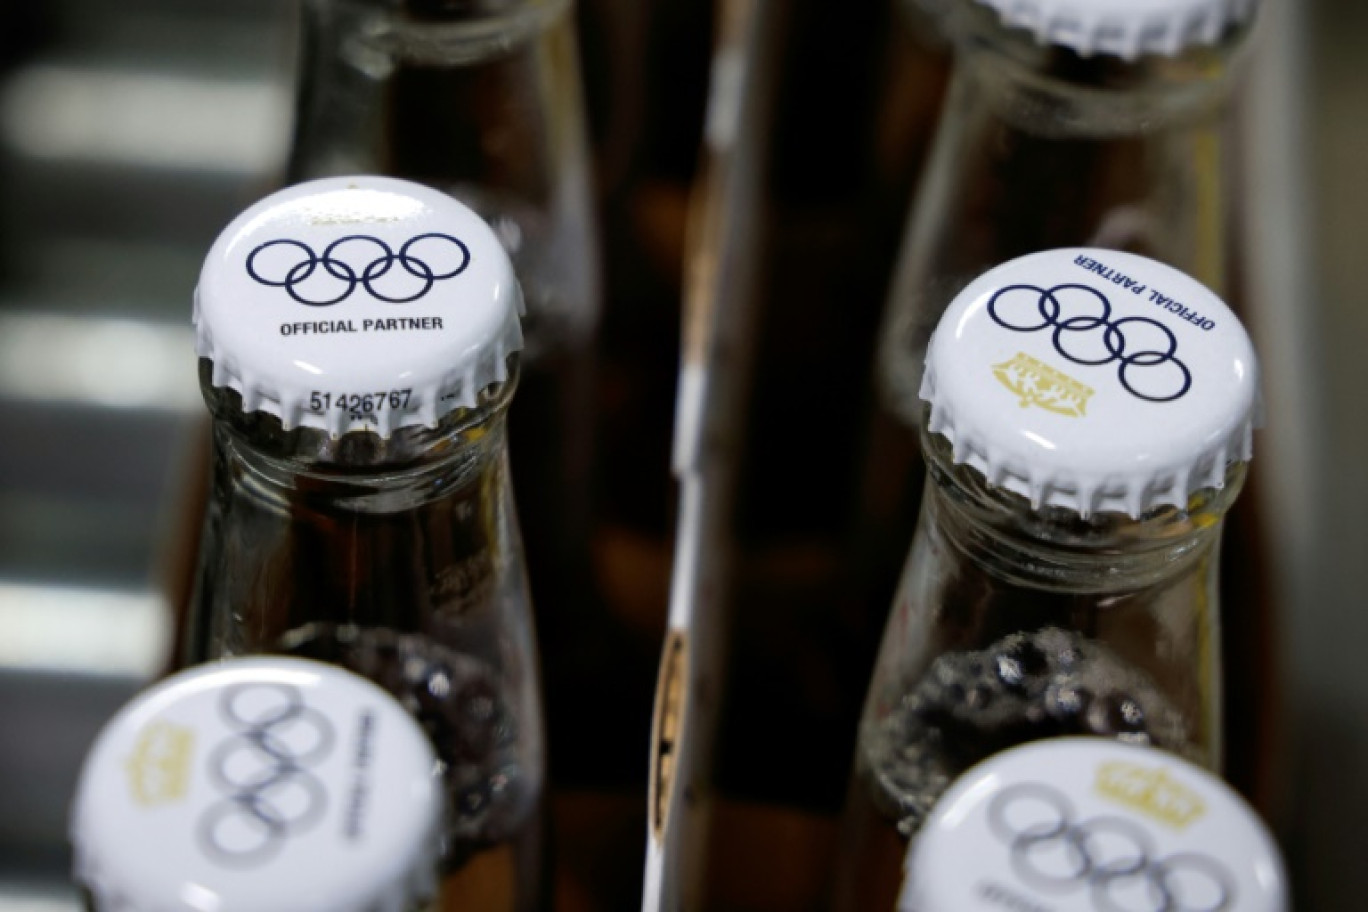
305,557
1043,146
1092,664
483,101
1063,576
358,342
856,94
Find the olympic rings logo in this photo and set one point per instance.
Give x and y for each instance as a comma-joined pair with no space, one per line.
270,796
357,259
1110,856
1134,342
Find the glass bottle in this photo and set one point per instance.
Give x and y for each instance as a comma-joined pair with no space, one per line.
1066,123
358,342
482,99
831,195
266,784
1090,417
1080,824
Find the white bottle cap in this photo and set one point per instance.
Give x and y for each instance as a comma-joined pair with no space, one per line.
1092,825
357,303
259,785
1093,380
1125,28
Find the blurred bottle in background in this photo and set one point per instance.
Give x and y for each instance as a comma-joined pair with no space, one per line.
259,785
1090,421
1066,125
483,100
646,72
1082,824
857,91
357,340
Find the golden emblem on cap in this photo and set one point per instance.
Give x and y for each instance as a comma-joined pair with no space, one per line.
1036,383
159,768
1151,791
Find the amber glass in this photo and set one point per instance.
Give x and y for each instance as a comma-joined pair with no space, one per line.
1012,624
482,99
399,558
1040,147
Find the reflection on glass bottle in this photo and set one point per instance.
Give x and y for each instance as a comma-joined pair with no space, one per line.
358,342
1090,416
1110,133
482,100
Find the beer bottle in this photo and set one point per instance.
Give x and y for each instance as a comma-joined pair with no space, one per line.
1066,123
483,100
1089,424
1080,824
357,340
830,199
259,785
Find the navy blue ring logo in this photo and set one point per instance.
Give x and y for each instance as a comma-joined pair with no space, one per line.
1068,331
330,278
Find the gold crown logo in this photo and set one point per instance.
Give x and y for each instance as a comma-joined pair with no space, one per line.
1152,792
159,768
1036,383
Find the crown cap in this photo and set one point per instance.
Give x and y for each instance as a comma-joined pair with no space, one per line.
1093,380
1090,824
259,785
1125,28
357,303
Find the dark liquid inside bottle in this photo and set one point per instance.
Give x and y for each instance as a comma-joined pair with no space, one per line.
1018,167
483,103
398,559
836,190
870,838
972,704
1015,623
598,669
1016,173
1022,186
493,850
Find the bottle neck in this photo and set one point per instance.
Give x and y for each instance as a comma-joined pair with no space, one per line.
479,100
1052,90
386,88
996,532
308,534
397,472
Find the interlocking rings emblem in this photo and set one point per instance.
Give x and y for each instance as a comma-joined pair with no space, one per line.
1110,856
330,278
1074,318
270,794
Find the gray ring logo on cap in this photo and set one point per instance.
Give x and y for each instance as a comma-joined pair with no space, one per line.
1113,857
270,794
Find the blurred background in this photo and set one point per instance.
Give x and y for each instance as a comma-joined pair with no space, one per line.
130,133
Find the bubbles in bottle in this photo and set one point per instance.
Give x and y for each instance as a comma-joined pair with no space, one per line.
460,703
971,704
